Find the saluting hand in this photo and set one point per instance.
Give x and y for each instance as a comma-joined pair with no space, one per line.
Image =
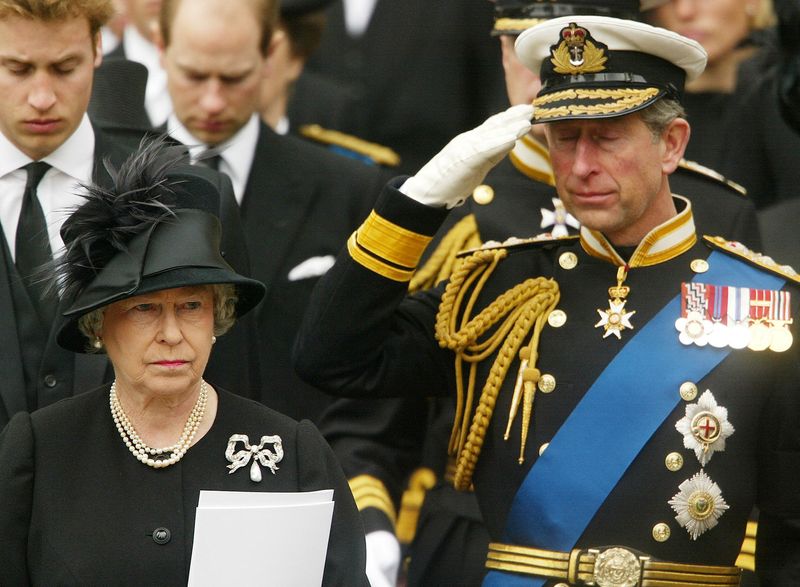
453,173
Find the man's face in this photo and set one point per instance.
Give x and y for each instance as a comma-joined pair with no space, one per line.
143,14
214,76
46,72
611,174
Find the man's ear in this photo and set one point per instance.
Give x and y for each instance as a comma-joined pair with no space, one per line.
279,38
675,139
98,49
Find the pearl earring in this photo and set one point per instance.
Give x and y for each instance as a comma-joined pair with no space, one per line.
213,339
98,343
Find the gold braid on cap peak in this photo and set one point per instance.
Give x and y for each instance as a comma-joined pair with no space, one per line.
622,99
517,312
440,265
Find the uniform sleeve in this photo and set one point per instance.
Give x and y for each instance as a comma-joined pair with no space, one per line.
346,560
360,335
16,496
378,443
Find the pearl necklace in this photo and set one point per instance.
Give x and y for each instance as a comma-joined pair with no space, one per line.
145,453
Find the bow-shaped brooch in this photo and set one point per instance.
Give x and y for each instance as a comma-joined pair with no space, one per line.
257,452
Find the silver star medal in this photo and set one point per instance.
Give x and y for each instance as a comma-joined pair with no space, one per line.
258,453
559,219
616,319
705,427
699,504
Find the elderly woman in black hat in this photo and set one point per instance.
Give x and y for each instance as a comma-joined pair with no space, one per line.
101,488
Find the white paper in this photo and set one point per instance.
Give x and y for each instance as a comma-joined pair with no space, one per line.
261,539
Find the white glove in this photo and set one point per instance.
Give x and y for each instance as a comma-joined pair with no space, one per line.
449,178
383,558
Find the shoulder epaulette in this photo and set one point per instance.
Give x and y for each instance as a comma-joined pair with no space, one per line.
712,174
752,257
517,243
376,153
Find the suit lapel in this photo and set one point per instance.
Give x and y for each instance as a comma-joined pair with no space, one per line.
276,199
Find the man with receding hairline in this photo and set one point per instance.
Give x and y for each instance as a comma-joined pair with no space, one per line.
298,200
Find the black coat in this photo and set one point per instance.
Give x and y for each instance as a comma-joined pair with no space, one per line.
301,201
362,338
79,509
422,71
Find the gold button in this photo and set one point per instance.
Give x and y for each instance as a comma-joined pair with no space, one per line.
547,383
688,391
543,448
557,318
699,265
483,194
568,261
661,532
674,461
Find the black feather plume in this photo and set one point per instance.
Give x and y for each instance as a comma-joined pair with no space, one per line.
141,195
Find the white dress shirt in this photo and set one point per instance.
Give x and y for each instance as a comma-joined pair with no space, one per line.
357,14
59,190
156,101
236,153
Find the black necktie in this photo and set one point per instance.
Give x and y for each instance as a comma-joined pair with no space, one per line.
206,159
33,245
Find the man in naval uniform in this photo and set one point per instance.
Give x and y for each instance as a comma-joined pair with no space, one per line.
377,443
566,423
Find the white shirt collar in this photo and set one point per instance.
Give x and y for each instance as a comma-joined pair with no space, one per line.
236,153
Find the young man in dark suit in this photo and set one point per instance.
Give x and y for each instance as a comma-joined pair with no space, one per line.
48,53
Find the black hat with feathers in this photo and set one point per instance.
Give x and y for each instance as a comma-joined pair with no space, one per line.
156,228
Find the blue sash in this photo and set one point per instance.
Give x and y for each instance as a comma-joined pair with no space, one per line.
555,503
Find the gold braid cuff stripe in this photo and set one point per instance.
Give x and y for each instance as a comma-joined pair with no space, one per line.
580,567
387,248
370,492
376,265
624,99
392,242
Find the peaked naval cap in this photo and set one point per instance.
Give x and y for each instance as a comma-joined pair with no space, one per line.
601,67
156,229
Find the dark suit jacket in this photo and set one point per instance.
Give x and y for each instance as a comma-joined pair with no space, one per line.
423,71
301,202
91,521
63,373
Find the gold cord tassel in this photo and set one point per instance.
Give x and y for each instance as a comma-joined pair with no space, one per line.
510,317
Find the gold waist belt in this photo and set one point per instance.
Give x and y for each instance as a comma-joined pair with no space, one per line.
606,567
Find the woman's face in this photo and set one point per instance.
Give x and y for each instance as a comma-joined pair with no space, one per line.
718,25
159,343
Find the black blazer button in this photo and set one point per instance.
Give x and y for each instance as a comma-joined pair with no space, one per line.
161,535
50,380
